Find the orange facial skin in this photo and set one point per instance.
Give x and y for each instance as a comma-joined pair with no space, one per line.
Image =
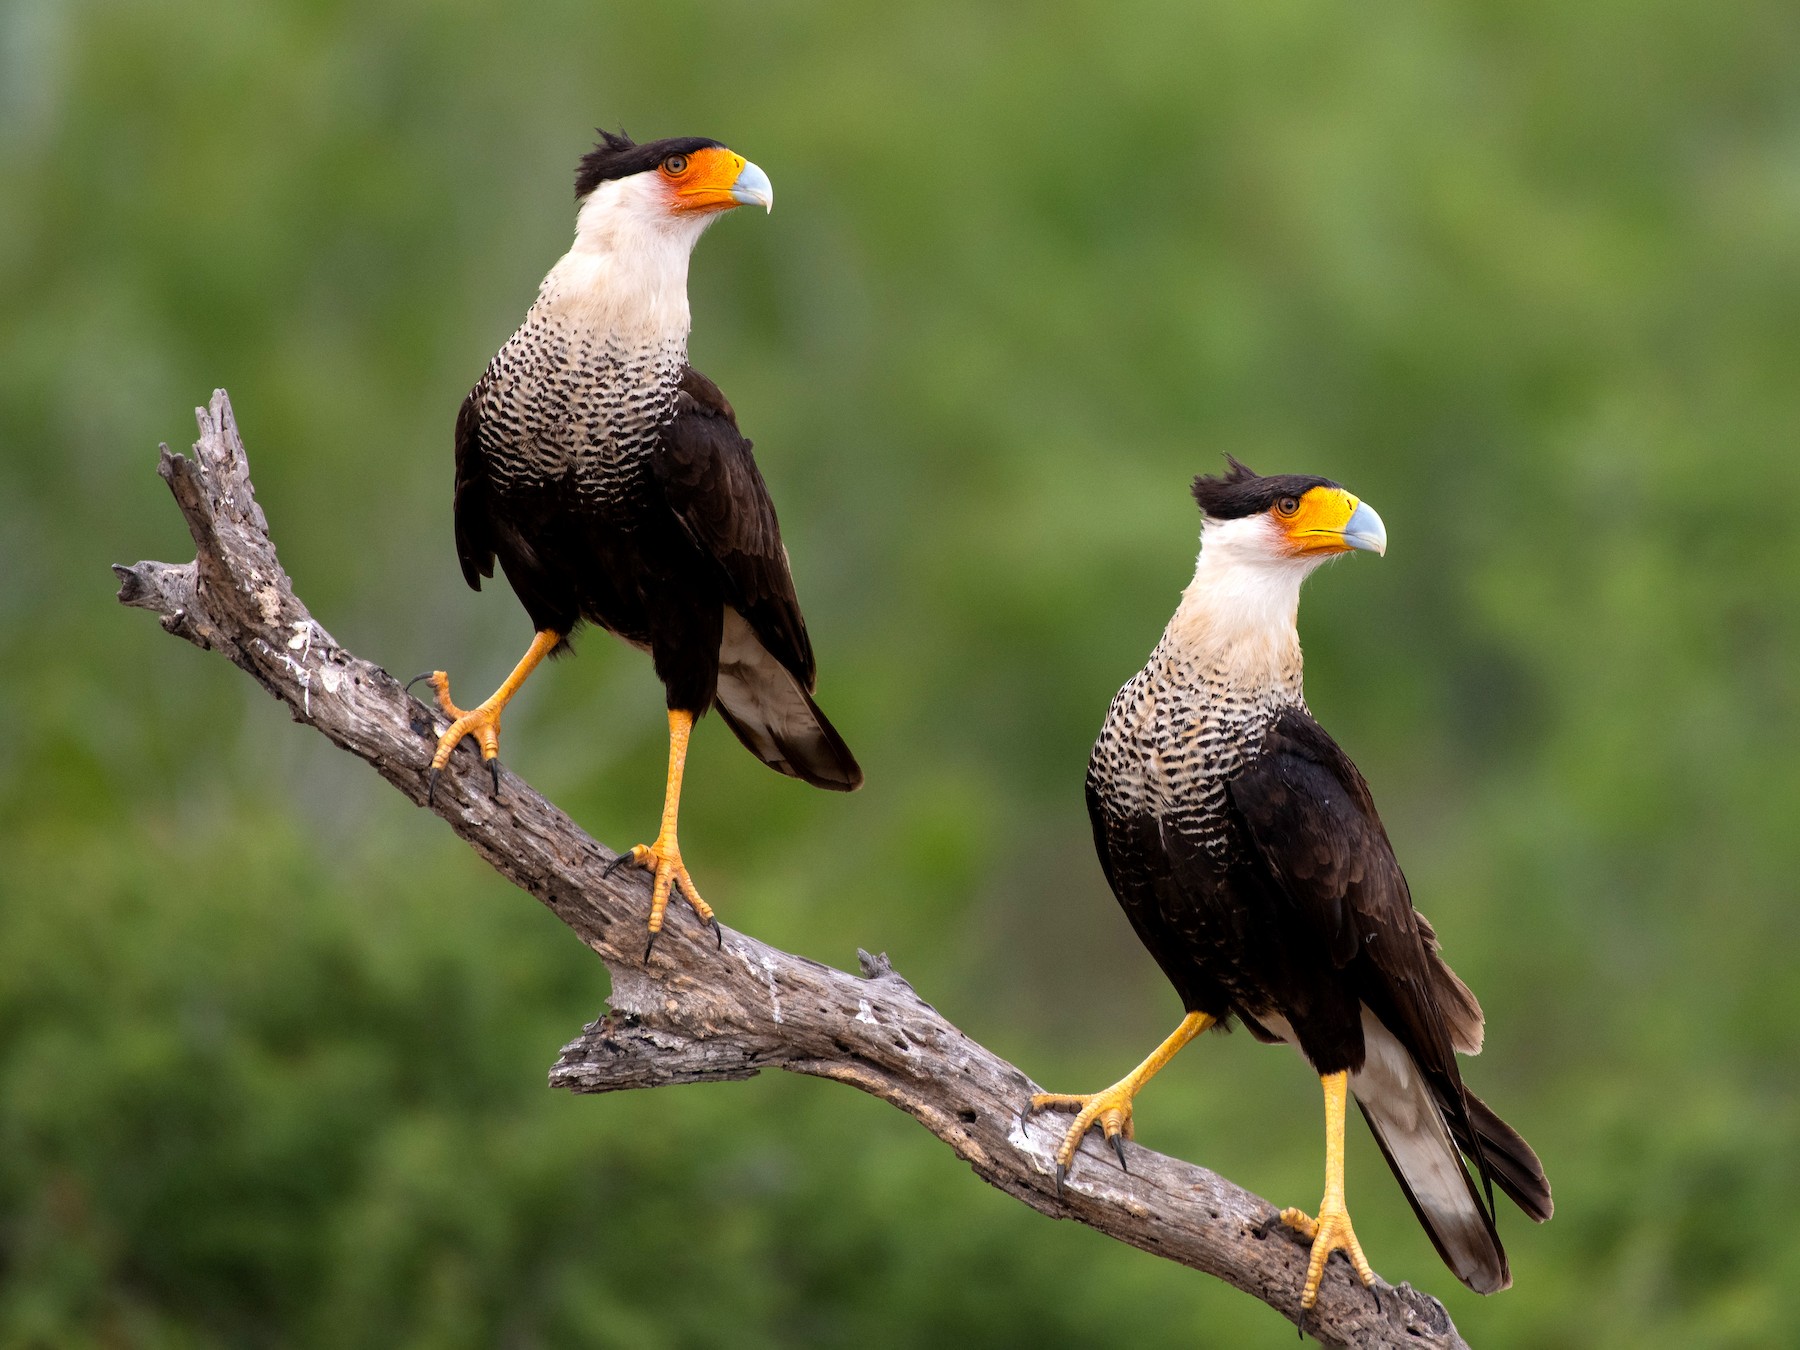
704,182
1315,522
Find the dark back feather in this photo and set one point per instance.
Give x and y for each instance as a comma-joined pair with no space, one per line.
717,494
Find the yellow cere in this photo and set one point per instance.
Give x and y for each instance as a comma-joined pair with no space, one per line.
1317,526
705,184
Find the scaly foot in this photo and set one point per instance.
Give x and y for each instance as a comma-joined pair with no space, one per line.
483,723
663,860
1110,1108
1328,1233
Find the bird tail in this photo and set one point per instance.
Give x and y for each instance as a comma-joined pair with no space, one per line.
1516,1169
772,713
1409,1124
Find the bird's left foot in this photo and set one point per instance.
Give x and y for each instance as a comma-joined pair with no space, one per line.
663,860
1328,1233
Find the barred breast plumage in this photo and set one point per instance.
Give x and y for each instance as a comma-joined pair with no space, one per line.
579,408
1178,730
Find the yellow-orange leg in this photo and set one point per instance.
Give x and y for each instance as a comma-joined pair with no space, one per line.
1111,1107
482,722
663,857
1331,1231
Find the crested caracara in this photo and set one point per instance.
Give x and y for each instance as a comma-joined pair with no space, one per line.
609,480
1245,849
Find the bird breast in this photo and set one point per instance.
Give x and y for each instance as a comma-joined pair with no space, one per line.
1178,731
577,406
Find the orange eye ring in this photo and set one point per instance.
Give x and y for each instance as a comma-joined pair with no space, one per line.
1287,506
675,165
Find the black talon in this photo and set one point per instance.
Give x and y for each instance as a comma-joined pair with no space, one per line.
1118,1143
422,675
615,865
431,778
718,932
651,945
1061,1172
494,768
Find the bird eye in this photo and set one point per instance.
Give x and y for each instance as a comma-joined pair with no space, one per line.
675,164
1287,505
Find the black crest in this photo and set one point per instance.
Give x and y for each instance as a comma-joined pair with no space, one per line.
619,157
1240,491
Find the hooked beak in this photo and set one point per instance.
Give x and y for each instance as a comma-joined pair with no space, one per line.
753,188
1364,530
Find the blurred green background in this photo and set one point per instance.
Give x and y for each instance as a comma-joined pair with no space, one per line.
1525,275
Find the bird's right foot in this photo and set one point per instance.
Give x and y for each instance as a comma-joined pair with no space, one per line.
481,722
1109,1108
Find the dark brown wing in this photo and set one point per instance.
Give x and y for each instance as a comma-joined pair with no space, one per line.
474,528
1312,820
1156,870
718,496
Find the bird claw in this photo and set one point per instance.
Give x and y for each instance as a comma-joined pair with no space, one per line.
1110,1109
1328,1233
650,946
482,723
433,774
668,878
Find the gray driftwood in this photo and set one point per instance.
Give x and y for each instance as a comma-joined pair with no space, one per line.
700,1013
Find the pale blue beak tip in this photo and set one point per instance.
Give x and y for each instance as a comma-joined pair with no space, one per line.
753,188
1364,530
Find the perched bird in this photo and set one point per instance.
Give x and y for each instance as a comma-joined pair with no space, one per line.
1244,847
608,478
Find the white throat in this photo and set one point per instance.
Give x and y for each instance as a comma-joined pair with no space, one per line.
1238,614
626,275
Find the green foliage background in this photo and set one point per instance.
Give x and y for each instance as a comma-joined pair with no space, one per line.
1524,274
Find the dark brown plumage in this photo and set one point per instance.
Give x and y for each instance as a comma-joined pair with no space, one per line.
608,480
687,535
1246,850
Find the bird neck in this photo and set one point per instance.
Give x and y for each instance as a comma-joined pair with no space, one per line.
626,275
1237,618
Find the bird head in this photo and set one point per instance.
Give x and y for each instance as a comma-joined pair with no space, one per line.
1260,539
676,186
1283,520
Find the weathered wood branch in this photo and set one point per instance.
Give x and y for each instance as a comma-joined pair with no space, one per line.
697,1012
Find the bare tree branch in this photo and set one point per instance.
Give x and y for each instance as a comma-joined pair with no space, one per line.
700,1013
